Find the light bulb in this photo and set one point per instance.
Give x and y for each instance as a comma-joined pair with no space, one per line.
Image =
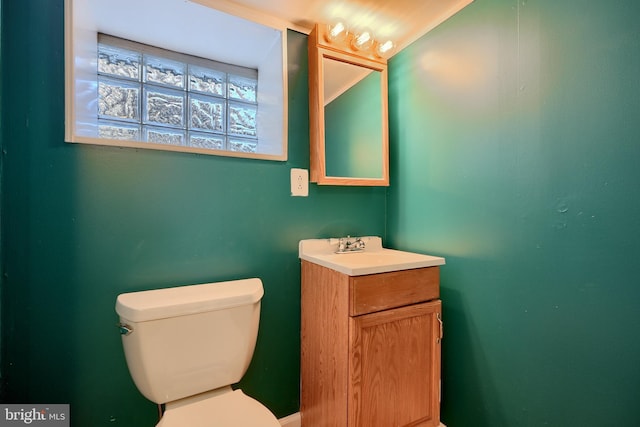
385,49
336,32
362,40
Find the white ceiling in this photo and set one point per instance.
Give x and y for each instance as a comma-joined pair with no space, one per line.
402,21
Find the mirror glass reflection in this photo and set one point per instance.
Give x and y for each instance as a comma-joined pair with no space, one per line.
352,120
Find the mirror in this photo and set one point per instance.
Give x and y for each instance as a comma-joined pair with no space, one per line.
353,146
348,115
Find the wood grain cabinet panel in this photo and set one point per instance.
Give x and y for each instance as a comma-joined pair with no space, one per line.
381,368
376,292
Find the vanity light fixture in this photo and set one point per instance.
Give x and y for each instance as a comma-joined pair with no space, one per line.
362,40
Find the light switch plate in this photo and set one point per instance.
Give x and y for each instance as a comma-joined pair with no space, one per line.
299,182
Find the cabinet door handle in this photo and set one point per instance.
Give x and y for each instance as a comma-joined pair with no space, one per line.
439,317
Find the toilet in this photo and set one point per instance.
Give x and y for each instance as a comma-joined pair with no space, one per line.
185,346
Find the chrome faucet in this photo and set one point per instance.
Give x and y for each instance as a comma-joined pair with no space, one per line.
349,244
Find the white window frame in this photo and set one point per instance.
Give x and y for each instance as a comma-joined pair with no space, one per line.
188,27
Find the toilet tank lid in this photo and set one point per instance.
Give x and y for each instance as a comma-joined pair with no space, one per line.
158,304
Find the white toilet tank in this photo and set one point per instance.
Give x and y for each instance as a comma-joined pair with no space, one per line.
189,339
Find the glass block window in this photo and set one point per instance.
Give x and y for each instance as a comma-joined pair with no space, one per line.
147,94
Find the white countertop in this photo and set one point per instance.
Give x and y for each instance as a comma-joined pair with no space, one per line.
372,260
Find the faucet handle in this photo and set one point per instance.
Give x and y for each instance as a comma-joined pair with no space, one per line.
349,244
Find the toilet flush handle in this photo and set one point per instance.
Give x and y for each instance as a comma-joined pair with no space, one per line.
125,329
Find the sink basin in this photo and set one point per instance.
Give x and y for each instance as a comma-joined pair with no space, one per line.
374,259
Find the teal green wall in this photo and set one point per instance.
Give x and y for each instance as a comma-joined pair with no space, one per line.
82,224
515,138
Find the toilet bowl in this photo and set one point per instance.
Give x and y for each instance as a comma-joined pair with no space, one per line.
226,408
185,346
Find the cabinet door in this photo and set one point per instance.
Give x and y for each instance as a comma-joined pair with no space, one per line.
395,367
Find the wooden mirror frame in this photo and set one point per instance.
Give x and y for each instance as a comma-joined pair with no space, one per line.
320,48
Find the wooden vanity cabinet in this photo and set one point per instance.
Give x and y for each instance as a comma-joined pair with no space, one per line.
370,348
